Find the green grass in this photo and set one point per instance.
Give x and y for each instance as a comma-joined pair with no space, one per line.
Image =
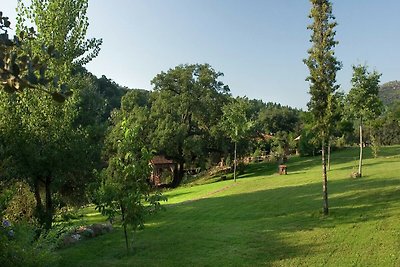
269,220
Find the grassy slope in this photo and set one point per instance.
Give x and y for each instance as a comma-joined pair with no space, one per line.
267,219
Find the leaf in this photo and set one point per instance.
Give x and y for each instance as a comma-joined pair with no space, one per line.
58,97
15,69
64,87
55,81
7,88
7,23
42,71
68,93
50,50
31,78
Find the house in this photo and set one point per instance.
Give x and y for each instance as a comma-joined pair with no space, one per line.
162,169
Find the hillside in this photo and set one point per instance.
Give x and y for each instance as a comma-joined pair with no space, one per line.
390,92
265,219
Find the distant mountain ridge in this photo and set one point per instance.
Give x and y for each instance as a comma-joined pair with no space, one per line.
389,92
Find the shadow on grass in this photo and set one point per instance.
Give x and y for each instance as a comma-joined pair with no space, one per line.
345,155
258,228
252,225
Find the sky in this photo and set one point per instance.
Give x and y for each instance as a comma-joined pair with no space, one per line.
259,45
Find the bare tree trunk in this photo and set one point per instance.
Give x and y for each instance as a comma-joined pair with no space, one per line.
325,180
235,163
329,155
361,149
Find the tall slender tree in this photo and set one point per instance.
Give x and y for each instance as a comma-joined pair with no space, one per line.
236,123
363,100
323,66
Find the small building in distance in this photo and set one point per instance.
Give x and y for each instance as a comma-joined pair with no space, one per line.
163,170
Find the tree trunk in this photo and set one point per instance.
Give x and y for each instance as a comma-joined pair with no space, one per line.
178,174
48,216
124,224
361,149
39,212
325,180
329,155
235,163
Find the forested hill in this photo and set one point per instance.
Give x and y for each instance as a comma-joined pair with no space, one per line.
389,92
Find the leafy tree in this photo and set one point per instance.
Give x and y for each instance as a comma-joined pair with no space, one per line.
363,100
48,149
111,92
186,108
52,146
308,143
61,26
20,69
125,189
274,118
323,66
386,128
236,123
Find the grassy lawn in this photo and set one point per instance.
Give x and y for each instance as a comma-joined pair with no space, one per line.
267,219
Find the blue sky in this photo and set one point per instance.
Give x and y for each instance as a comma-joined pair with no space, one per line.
258,44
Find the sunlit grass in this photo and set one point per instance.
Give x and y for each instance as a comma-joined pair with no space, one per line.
268,219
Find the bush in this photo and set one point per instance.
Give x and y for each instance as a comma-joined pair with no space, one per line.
21,206
19,246
240,168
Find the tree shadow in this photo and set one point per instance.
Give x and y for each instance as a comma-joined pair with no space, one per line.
266,216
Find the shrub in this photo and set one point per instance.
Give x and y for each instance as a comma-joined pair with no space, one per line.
19,246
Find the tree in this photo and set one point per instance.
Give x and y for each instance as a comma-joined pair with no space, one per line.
236,123
363,100
124,188
323,66
20,69
52,146
275,118
186,108
61,25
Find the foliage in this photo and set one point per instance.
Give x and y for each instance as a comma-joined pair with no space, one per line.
186,107
363,101
273,118
386,128
111,92
54,147
124,188
46,149
282,144
323,66
62,25
20,208
269,220
235,119
21,69
389,92
236,123
20,246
